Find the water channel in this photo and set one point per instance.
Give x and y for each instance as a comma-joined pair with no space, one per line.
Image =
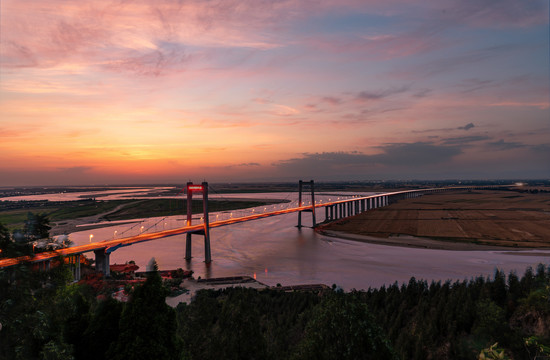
274,250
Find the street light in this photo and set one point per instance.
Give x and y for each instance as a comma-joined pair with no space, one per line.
91,236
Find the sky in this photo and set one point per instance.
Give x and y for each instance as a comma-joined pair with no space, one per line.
127,92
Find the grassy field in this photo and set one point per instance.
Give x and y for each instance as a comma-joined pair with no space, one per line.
13,214
485,217
165,207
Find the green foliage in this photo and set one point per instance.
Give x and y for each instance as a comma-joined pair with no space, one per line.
147,327
251,324
493,352
457,320
34,309
490,319
341,327
45,317
533,344
37,226
101,332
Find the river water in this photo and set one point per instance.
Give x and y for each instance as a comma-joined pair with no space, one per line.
274,250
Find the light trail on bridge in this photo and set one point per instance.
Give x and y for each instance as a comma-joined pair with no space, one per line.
127,241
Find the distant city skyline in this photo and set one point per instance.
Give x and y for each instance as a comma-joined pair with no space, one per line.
110,92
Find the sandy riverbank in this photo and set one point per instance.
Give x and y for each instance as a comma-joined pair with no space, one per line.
413,241
480,220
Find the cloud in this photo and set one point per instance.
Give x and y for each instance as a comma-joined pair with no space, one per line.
422,93
249,164
453,63
464,140
416,154
332,100
475,84
497,13
365,96
466,127
502,145
541,105
75,170
398,156
151,63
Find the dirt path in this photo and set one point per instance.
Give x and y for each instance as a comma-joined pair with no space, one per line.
72,225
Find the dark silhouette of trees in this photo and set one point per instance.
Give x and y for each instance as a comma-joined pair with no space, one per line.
44,316
341,327
37,226
147,327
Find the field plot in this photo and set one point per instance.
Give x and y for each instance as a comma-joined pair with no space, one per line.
499,218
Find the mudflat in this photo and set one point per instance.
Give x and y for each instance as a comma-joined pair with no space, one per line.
496,219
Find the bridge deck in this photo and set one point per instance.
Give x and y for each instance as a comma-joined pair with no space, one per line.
75,250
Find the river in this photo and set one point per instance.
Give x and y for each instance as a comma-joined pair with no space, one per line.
274,250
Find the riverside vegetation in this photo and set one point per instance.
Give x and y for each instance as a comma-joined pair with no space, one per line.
45,316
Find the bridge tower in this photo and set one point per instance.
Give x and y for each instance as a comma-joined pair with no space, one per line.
300,203
205,231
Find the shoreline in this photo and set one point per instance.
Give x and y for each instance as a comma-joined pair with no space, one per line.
426,243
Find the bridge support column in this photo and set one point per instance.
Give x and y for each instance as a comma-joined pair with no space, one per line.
102,261
188,246
300,203
77,268
47,265
207,253
206,229
75,265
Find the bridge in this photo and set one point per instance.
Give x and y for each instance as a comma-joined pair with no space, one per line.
334,209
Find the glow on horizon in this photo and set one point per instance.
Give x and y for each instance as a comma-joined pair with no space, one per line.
102,92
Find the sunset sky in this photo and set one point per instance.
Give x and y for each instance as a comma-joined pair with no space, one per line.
119,92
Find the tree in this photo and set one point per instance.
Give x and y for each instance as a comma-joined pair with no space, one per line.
37,226
5,241
147,325
341,327
102,330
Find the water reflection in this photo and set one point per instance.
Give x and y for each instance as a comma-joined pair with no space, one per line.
276,251
299,256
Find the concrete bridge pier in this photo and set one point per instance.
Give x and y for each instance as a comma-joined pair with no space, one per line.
75,261
102,261
300,203
44,265
188,246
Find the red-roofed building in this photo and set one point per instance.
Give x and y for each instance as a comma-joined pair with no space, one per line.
128,268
